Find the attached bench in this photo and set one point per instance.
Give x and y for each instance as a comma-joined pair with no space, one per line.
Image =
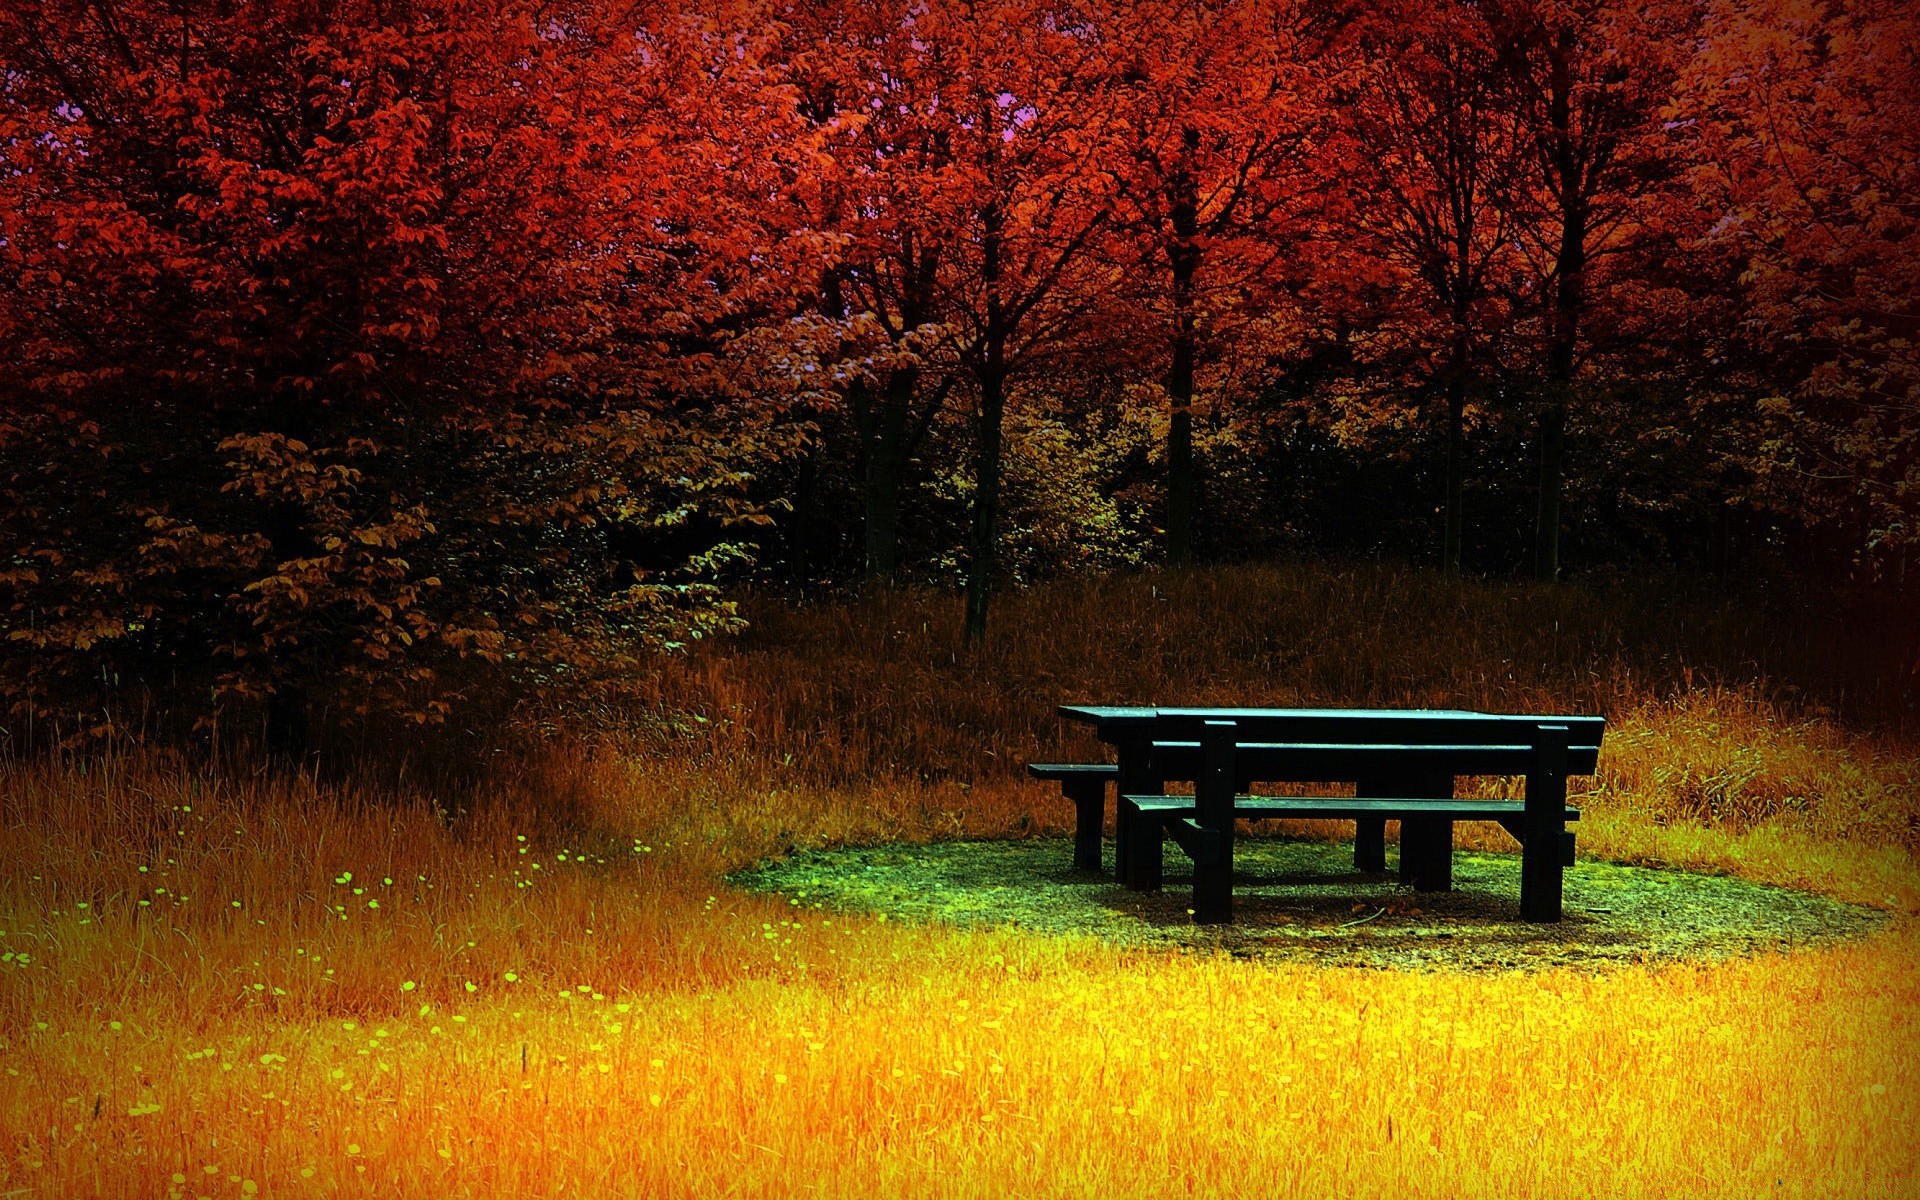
1086,785
1411,783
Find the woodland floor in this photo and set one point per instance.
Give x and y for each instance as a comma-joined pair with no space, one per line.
1303,901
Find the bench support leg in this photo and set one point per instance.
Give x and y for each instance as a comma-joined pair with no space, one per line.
1370,844
1426,854
1089,798
1146,847
1426,843
1213,880
1370,833
1213,795
1137,848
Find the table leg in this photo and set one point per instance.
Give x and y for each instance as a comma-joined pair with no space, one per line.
1213,812
1546,826
1134,757
1426,854
1146,850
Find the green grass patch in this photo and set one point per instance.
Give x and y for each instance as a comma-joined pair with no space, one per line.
1303,901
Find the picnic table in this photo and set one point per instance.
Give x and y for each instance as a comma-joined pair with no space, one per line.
1403,765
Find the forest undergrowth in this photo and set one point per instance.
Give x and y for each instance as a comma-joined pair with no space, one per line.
215,982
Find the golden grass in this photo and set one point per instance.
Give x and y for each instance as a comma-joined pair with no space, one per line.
588,1011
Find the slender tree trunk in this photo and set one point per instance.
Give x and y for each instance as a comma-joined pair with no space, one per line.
1184,258
991,373
887,453
804,518
1553,416
986,503
1182,486
883,516
1569,301
288,729
1546,529
1456,454
289,733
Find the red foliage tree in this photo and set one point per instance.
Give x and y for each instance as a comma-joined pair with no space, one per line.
1440,155
1588,81
1802,119
359,346
1222,166
873,89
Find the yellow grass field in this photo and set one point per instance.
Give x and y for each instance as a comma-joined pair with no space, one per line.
213,984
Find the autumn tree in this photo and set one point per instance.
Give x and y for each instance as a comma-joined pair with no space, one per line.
1221,111
1033,113
1588,81
1800,121
868,82
1438,154
966,184
365,356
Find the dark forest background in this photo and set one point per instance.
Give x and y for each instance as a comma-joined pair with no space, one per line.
405,364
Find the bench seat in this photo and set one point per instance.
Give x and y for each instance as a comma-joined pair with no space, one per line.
1062,772
1426,850
1086,785
1349,808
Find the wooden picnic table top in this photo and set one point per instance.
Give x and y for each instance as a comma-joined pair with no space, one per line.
1106,714
1373,734
1133,719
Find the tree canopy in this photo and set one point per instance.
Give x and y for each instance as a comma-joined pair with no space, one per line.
395,361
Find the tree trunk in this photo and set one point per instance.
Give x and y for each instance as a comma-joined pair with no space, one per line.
986,503
1546,529
1456,453
804,557
289,735
1182,487
1569,302
887,453
990,368
288,732
883,517
1184,257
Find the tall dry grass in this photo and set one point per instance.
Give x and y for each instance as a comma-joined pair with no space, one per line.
224,985
1722,716
882,685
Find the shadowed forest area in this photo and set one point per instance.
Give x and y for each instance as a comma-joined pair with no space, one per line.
380,369
500,501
